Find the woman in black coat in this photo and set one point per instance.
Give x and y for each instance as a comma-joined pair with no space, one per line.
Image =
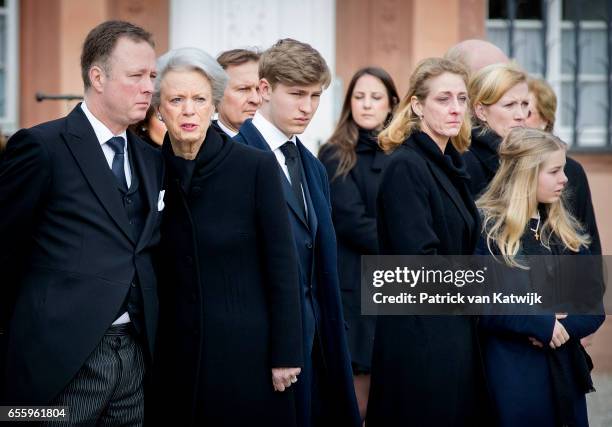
502,98
427,370
230,326
354,163
499,98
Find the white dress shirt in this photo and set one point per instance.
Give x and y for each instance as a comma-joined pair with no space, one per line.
104,134
275,139
231,133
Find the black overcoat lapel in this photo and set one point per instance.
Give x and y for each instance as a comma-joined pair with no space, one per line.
452,192
310,187
253,138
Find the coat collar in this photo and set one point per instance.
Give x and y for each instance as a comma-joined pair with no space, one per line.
485,147
367,142
448,169
251,136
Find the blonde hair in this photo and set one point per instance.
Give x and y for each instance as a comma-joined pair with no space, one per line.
511,197
488,85
546,101
406,121
292,62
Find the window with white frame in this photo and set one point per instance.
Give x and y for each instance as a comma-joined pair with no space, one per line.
8,65
541,36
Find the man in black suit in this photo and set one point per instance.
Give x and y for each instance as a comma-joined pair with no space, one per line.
241,97
81,206
292,78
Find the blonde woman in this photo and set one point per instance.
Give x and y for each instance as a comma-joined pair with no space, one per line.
426,370
499,98
536,369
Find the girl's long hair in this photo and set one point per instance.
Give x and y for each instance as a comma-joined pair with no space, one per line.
511,197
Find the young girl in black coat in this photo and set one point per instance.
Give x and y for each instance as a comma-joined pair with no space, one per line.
536,368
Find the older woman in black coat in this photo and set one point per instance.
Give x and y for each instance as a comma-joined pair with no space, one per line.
354,164
427,370
230,326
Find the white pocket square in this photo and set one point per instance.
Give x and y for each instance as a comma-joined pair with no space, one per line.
160,201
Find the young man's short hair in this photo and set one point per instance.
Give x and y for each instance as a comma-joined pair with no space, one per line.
101,41
235,57
292,62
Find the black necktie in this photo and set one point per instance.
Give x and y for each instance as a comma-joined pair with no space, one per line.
117,143
294,165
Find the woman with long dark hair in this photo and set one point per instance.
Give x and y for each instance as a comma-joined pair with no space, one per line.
354,164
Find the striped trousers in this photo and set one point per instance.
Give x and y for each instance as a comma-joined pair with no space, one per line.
108,389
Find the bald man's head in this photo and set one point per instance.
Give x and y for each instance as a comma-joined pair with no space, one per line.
476,54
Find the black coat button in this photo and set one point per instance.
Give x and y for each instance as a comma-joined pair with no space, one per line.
309,245
133,285
189,260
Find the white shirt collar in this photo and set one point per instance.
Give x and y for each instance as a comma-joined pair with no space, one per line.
273,136
102,132
231,133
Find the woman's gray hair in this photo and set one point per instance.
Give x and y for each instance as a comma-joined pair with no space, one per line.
191,58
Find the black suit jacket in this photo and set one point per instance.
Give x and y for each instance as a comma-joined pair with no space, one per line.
316,235
67,243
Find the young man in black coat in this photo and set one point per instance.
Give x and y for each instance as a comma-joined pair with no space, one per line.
292,77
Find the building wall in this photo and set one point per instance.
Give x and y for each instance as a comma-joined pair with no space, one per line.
396,34
53,67
216,26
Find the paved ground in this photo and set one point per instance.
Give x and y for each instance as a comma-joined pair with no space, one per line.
600,403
